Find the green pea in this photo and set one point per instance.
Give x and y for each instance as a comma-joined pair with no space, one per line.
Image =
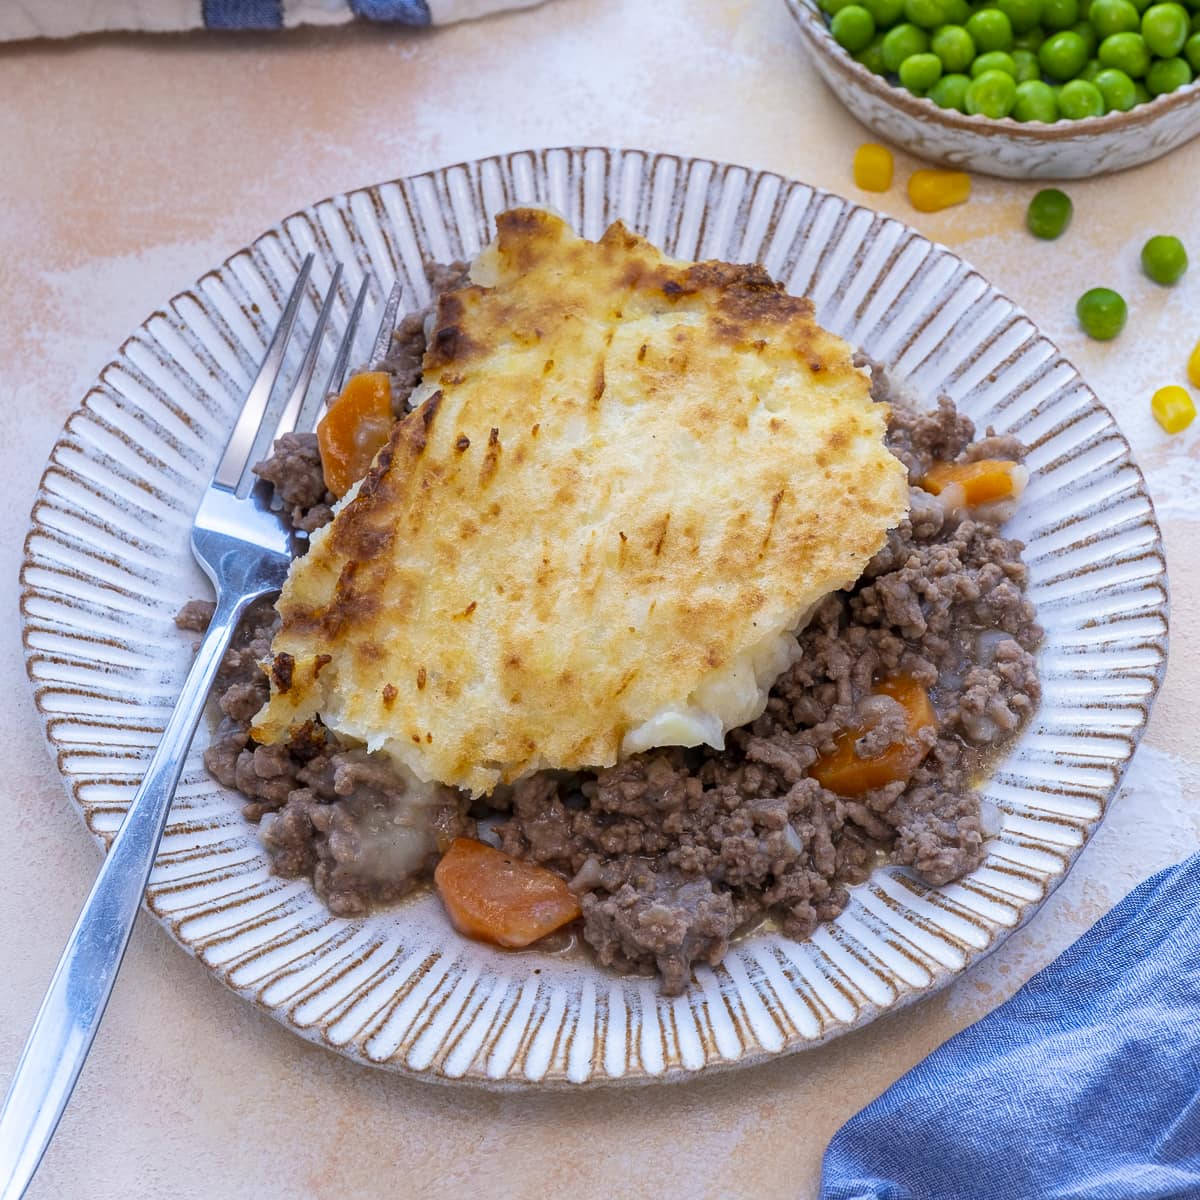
1091,69
1059,14
1088,34
1079,99
919,72
1031,41
1165,28
1164,259
1035,101
953,46
1063,55
872,57
991,94
1026,64
832,7
994,60
1167,75
990,29
1141,5
1049,214
1102,313
957,12
1117,89
1114,16
901,43
1023,15
950,92
1141,92
1191,51
1127,52
925,14
853,28
885,12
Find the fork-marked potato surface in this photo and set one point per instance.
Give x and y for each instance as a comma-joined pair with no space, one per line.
627,479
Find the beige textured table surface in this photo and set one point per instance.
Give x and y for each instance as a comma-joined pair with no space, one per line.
127,167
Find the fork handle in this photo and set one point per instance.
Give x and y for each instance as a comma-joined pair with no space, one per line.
75,1001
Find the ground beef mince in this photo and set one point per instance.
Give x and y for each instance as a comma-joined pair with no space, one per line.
294,471
673,852
403,359
333,812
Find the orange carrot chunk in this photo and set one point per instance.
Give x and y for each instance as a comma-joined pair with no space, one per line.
354,429
982,482
844,772
496,898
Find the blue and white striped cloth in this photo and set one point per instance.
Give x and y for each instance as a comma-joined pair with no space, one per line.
21,19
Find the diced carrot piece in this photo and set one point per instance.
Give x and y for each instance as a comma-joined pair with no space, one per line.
848,775
354,429
982,482
497,898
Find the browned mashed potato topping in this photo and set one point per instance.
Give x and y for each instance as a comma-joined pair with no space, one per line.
672,851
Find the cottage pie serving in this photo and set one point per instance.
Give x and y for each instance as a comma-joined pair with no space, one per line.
632,555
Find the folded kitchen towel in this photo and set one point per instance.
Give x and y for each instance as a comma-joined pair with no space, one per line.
1084,1086
65,18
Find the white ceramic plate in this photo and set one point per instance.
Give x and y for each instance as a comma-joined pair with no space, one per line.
107,565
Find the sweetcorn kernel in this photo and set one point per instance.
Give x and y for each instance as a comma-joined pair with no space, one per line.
1173,408
873,167
931,190
1194,366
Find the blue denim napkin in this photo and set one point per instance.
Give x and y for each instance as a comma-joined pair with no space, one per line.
1084,1086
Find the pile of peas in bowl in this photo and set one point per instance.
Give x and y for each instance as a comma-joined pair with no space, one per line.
1032,60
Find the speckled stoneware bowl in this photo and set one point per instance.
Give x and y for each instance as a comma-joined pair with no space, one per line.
107,565
1064,150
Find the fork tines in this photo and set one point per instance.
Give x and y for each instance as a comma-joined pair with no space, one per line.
253,432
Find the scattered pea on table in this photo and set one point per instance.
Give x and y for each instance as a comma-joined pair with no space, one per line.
1049,214
1102,313
1164,259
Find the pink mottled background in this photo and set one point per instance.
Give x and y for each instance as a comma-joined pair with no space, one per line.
130,165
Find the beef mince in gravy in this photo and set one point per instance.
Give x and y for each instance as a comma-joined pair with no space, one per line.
671,852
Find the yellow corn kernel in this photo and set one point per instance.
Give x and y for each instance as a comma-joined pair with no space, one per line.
873,167
1173,408
1194,366
931,190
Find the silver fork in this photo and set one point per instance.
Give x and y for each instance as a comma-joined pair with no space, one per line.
244,548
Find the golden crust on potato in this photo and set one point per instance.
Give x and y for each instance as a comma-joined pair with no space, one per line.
626,480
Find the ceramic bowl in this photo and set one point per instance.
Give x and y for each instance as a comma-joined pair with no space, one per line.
1064,150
